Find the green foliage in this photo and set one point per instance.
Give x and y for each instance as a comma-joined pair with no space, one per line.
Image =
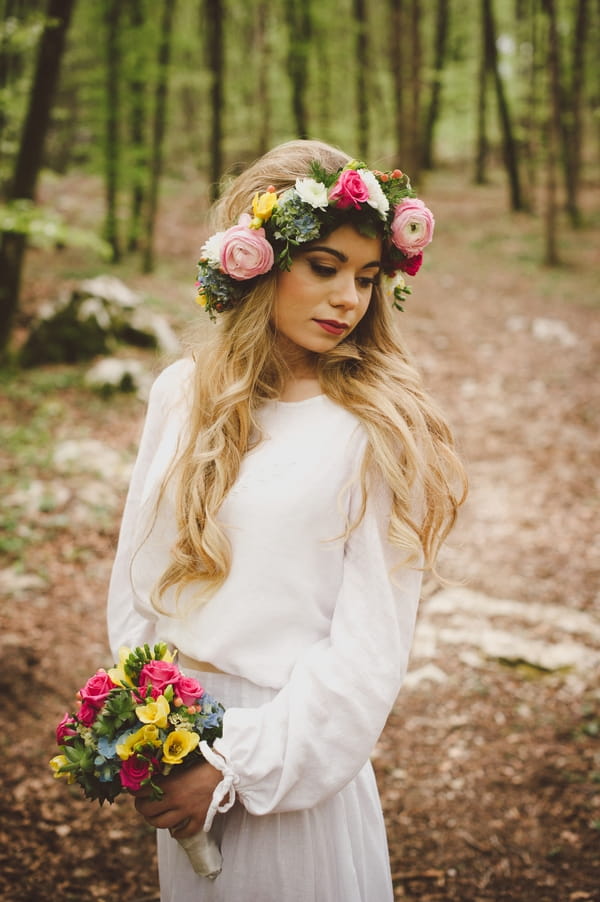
46,229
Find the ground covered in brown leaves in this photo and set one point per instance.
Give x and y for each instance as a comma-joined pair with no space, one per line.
489,770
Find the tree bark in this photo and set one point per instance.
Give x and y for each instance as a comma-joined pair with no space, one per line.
397,11
511,156
112,144
415,116
29,158
572,132
263,54
482,148
553,132
442,24
158,131
137,123
298,16
213,18
361,64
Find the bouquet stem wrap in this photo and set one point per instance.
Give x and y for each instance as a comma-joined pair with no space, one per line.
203,853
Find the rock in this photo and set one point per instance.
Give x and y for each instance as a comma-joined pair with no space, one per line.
99,315
115,374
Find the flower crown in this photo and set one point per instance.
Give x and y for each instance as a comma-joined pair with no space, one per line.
374,202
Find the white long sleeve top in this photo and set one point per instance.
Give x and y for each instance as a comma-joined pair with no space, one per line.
321,619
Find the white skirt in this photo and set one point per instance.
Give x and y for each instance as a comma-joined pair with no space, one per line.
334,852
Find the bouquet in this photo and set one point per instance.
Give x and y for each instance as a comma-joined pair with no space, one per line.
136,721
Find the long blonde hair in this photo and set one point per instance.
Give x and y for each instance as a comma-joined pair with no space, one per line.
370,374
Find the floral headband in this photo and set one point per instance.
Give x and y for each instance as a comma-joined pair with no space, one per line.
371,200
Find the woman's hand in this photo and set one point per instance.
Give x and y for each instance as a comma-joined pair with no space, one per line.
187,794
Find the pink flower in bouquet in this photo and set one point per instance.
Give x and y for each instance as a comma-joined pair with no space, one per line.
159,674
349,190
412,266
188,689
245,252
87,714
65,729
135,770
96,689
412,226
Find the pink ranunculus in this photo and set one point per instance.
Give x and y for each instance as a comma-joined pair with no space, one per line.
245,252
412,226
158,674
135,770
65,729
412,265
96,689
349,190
188,689
87,714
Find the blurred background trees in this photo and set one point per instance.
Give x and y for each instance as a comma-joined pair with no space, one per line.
131,90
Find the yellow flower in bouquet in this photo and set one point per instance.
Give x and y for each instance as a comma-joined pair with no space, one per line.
156,712
178,744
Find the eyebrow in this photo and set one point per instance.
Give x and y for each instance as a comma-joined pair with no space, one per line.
342,257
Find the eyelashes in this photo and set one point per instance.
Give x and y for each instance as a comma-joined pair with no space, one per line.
327,272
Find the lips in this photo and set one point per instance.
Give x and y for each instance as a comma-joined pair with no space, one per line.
332,326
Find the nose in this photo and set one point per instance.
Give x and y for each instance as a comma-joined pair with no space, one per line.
345,294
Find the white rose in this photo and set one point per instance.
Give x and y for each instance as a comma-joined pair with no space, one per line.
313,193
377,198
211,250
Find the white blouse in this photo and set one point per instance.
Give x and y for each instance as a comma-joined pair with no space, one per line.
322,620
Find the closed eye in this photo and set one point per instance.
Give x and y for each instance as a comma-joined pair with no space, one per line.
366,281
322,270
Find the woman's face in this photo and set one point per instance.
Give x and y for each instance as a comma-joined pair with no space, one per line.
326,293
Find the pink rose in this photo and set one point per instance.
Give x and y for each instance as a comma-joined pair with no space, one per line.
135,770
349,190
412,226
96,689
87,714
411,266
188,689
159,675
245,252
65,729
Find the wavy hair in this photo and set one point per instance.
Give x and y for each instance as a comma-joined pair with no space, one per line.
370,374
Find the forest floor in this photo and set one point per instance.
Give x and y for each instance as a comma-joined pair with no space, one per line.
489,766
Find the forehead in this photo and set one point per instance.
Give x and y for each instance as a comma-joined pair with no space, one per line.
351,243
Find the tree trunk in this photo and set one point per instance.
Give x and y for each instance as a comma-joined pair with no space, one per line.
298,16
137,122
213,18
29,158
553,130
415,116
441,39
511,157
361,63
572,132
263,55
158,131
112,145
397,17
481,153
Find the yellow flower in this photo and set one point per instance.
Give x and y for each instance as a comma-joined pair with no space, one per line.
58,762
155,712
201,299
178,744
146,735
263,205
117,673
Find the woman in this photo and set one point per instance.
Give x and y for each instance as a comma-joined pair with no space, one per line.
292,483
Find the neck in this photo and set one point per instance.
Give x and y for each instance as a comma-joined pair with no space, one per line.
302,381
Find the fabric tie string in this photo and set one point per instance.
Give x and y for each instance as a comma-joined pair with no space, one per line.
224,795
